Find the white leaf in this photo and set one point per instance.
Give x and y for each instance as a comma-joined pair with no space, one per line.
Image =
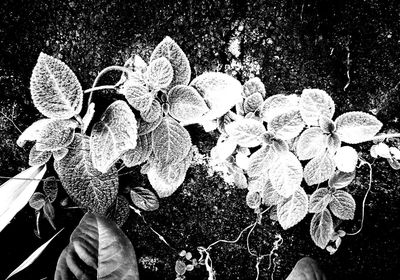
115,133
382,150
252,102
276,105
357,127
319,200
56,91
160,73
220,91
59,154
139,96
32,132
321,228
286,173
313,104
269,195
180,64
87,118
224,148
254,85
294,209
32,257
242,161
140,153
38,158
319,169
333,142
346,159
286,125
341,179
395,152
246,132
56,134
186,104
326,124
343,205
16,192
171,142
253,200
153,113
147,127
310,143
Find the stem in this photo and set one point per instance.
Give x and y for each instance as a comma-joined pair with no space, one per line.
8,118
384,136
99,88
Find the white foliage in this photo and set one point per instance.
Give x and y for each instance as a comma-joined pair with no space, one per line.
293,210
383,150
139,96
395,152
38,158
87,118
60,153
153,113
310,143
160,73
326,124
341,179
147,127
319,169
254,85
321,228
319,200
346,159
252,102
269,195
246,132
140,153
313,104
276,105
343,205
242,161
253,200
224,148
286,125
261,161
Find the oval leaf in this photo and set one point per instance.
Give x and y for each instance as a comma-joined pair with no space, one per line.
319,200
276,105
160,73
56,134
286,125
120,211
253,200
313,104
341,179
346,159
140,154
254,85
357,127
56,91
139,96
37,158
246,132
319,169
186,104
98,249
144,199
252,102
37,201
261,161
293,210
147,127
343,205
321,228
153,113
311,142
50,188
113,135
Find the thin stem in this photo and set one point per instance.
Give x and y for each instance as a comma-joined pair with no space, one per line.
99,88
230,241
248,240
13,123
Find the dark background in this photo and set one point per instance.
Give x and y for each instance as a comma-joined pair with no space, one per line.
293,44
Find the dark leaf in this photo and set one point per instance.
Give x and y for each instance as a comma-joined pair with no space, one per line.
144,199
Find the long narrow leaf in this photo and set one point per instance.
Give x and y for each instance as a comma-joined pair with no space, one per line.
32,257
16,192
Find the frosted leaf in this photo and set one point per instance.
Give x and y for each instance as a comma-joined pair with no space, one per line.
180,267
144,199
37,201
60,153
333,143
220,91
37,158
313,104
269,195
32,133
209,125
246,132
286,173
394,163
239,108
139,96
180,64
276,105
395,152
114,134
280,146
226,119
146,127
165,179
319,200
56,91
88,187
87,118
252,102
319,169
140,153
186,104
311,142
160,73
242,161
382,150
50,188
253,200
254,85
224,148
326,124
321,228
286,125
357,127
153,113
261,161
343,205
136,64
239,179
346,159
293,210
56,134
171,142
341,179
120,211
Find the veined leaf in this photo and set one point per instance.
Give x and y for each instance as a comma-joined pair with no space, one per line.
147,127
343,205
313,104
87,118
160,73
37,201
286,125
326,124
286,174
114,134
16,192
261,161
254,85
246,132
357,127
180,64
226,119
33,132
171,142
60,153
319,169
333,143
294,209
253,200
32,257
88,187
276,105
321,228
319,200
144,199
139,96
140,153
50,188
220,91
153,113
269,195
346,159
98,249
311,142
186,104
252,102
120,212
37,158
224,148
56,91
382,150
341,179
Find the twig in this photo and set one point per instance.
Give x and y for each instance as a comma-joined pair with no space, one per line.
9,119
99,88
347,66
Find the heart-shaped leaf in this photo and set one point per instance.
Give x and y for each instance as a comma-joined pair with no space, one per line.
321,228
343,205
140,153
286,125
246,132
311,142
56,91
160,73
292,211
115,133
319,169
98,249
144,199
313,104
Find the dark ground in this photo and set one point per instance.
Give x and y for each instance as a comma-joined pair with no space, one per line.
297,44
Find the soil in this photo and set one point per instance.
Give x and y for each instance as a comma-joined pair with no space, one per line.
351,49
